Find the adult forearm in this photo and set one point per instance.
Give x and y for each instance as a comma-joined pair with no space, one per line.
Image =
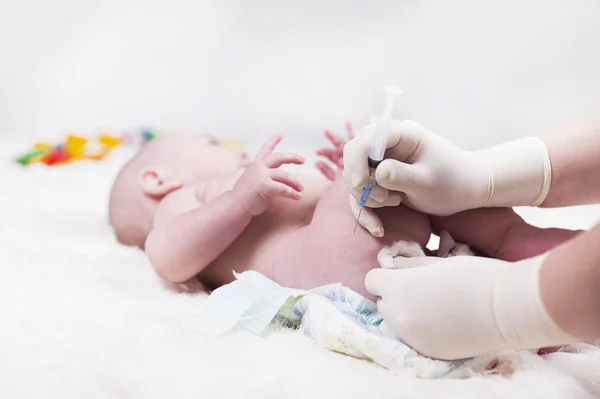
182,247
501,233
483,229
570,285
558,168
575,157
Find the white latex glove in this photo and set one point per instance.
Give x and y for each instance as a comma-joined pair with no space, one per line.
465,306
431,175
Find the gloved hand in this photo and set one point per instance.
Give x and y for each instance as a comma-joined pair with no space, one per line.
431,175
465,306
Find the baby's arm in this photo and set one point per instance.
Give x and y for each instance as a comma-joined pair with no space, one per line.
189,234
501,233
187,239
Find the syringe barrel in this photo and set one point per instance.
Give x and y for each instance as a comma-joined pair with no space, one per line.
379,140
382,124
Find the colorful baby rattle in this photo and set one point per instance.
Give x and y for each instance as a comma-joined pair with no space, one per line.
76,148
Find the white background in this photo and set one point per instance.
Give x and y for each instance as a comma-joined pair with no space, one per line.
476,72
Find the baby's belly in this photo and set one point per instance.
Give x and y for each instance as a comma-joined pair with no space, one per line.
261,245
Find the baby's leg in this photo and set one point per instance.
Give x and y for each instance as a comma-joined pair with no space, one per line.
401,223
328,251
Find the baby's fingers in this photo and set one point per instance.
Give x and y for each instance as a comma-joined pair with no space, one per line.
326,152
277,189
277,159
335,140
268,147
281,176
327,171
350,130
333,155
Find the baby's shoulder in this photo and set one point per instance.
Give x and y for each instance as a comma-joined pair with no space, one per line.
175,203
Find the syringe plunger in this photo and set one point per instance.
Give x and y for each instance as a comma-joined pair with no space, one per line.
379,141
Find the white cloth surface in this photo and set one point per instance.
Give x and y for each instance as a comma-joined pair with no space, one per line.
84,317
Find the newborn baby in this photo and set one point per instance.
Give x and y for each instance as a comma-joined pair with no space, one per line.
200,209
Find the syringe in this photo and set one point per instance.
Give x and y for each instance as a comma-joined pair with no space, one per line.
378,144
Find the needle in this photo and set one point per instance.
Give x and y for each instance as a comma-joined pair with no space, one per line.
357,219
364,195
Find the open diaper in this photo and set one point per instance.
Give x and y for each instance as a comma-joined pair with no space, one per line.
334,316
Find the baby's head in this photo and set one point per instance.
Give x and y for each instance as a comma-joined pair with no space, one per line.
160,167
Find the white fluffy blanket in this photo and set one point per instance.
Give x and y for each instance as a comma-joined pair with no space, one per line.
84,317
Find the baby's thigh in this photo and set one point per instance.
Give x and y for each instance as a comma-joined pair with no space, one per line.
329,251
333,218
333,222
324,254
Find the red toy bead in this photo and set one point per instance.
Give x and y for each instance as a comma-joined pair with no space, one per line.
57,156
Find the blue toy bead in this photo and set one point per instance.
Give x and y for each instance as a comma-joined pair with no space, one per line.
147,135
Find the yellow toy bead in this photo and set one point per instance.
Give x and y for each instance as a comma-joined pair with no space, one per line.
110,141
43,146
232,144
75,146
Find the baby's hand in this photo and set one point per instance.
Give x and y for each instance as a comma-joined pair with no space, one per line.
263,180
335,154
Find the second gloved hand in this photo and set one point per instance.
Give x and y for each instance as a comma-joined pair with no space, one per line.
431,175
465,306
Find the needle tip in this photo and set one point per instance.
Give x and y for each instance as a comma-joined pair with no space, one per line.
357,219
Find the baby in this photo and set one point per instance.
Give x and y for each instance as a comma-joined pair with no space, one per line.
200,209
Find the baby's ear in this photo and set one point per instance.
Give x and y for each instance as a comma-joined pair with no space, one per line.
446,243
157,183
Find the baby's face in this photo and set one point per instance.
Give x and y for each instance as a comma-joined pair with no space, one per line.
201,156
